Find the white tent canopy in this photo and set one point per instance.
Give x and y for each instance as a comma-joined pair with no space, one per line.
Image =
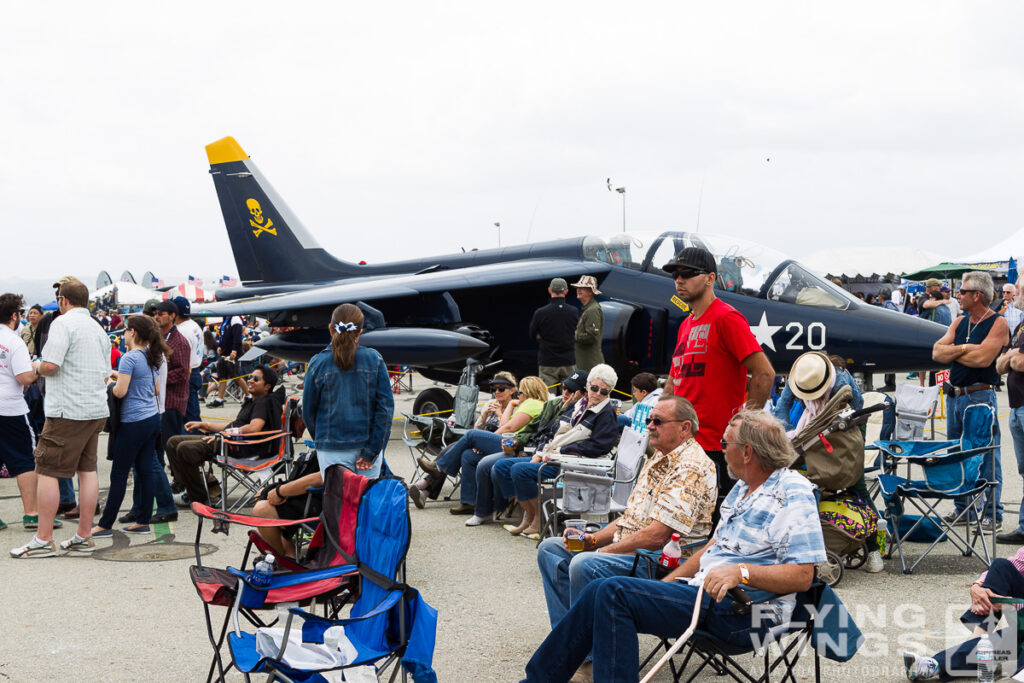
1011,246
128,293
867,261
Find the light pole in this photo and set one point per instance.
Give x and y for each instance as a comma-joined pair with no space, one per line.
621,191
498,226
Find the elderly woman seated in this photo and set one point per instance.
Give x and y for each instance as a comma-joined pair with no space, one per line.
1004,578
591,432
467,452
557,411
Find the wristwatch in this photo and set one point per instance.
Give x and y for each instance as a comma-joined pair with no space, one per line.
744,575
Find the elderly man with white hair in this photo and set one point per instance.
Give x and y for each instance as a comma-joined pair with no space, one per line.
591,432
769,538
970,346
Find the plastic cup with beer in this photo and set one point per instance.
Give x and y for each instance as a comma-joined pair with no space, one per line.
508,444
575,530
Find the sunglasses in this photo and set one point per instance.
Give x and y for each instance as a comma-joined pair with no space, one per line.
687,273
967,291
252,378
597,390
657,421
500,387
726,443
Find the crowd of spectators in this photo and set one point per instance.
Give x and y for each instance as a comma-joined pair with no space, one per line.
716,475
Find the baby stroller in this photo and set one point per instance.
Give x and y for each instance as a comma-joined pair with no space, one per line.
830,450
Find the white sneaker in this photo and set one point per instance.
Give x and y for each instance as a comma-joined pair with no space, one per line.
919,668
476,521
874,563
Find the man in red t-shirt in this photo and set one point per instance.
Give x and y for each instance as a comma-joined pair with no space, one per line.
714,352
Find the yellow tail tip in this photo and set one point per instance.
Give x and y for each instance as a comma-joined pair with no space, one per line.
225,150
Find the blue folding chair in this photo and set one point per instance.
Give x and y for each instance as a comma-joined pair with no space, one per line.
952,469
390,625
820,626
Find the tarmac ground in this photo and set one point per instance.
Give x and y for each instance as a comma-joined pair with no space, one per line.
129,611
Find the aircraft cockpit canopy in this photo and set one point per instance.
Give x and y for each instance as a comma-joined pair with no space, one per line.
744,267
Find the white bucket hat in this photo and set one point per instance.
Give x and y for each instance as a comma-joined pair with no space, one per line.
811,376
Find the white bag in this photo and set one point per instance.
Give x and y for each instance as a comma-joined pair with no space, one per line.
336,650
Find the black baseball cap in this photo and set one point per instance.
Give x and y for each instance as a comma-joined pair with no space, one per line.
167,307
693,258
577,381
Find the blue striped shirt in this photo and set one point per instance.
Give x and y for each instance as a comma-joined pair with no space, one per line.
776,524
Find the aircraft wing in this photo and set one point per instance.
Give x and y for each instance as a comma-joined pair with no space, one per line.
387,287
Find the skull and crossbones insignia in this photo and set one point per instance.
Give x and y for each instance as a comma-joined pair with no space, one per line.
257,220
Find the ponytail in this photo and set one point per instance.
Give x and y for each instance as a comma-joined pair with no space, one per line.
346,323
147,333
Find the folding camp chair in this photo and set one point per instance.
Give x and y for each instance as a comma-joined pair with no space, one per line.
585,489
390,625
429,435
914,407
819,621
343,492
952,469
880,427
245,463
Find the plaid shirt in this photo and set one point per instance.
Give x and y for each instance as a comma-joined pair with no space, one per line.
177,371
79,346
677,489
776,524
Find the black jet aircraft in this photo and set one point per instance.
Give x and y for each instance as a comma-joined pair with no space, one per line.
434,313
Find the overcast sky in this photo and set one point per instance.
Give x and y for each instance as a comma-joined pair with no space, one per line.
396,129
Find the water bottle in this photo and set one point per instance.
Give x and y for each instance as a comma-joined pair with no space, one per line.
671,553
882,535
986,660
262,572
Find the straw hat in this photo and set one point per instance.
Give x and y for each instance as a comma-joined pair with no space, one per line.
588,281
811,376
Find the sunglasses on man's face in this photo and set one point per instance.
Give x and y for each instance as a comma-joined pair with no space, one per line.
687,273
598,390
657,421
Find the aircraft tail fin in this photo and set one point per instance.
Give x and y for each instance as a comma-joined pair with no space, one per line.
269,242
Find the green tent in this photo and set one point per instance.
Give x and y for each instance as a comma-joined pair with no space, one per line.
943,271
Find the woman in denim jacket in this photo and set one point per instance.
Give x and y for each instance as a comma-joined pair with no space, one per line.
347,403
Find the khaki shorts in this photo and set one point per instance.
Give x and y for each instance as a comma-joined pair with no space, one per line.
67,446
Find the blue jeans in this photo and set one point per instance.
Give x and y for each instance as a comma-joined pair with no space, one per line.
134,446
991,465
609,614
1002,579
195,382
172,423
67,490
566,574
486,486
518,477
347,459
465,454
1017,434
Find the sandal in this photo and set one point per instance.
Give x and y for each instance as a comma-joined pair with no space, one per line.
34,549
512,529
532,534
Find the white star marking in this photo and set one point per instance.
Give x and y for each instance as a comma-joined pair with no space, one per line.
764,332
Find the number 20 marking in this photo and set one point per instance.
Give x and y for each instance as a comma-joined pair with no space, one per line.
815,336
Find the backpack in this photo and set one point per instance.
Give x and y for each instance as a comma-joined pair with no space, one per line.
834,461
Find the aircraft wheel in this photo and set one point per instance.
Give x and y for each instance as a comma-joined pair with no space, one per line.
831,570
433,400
